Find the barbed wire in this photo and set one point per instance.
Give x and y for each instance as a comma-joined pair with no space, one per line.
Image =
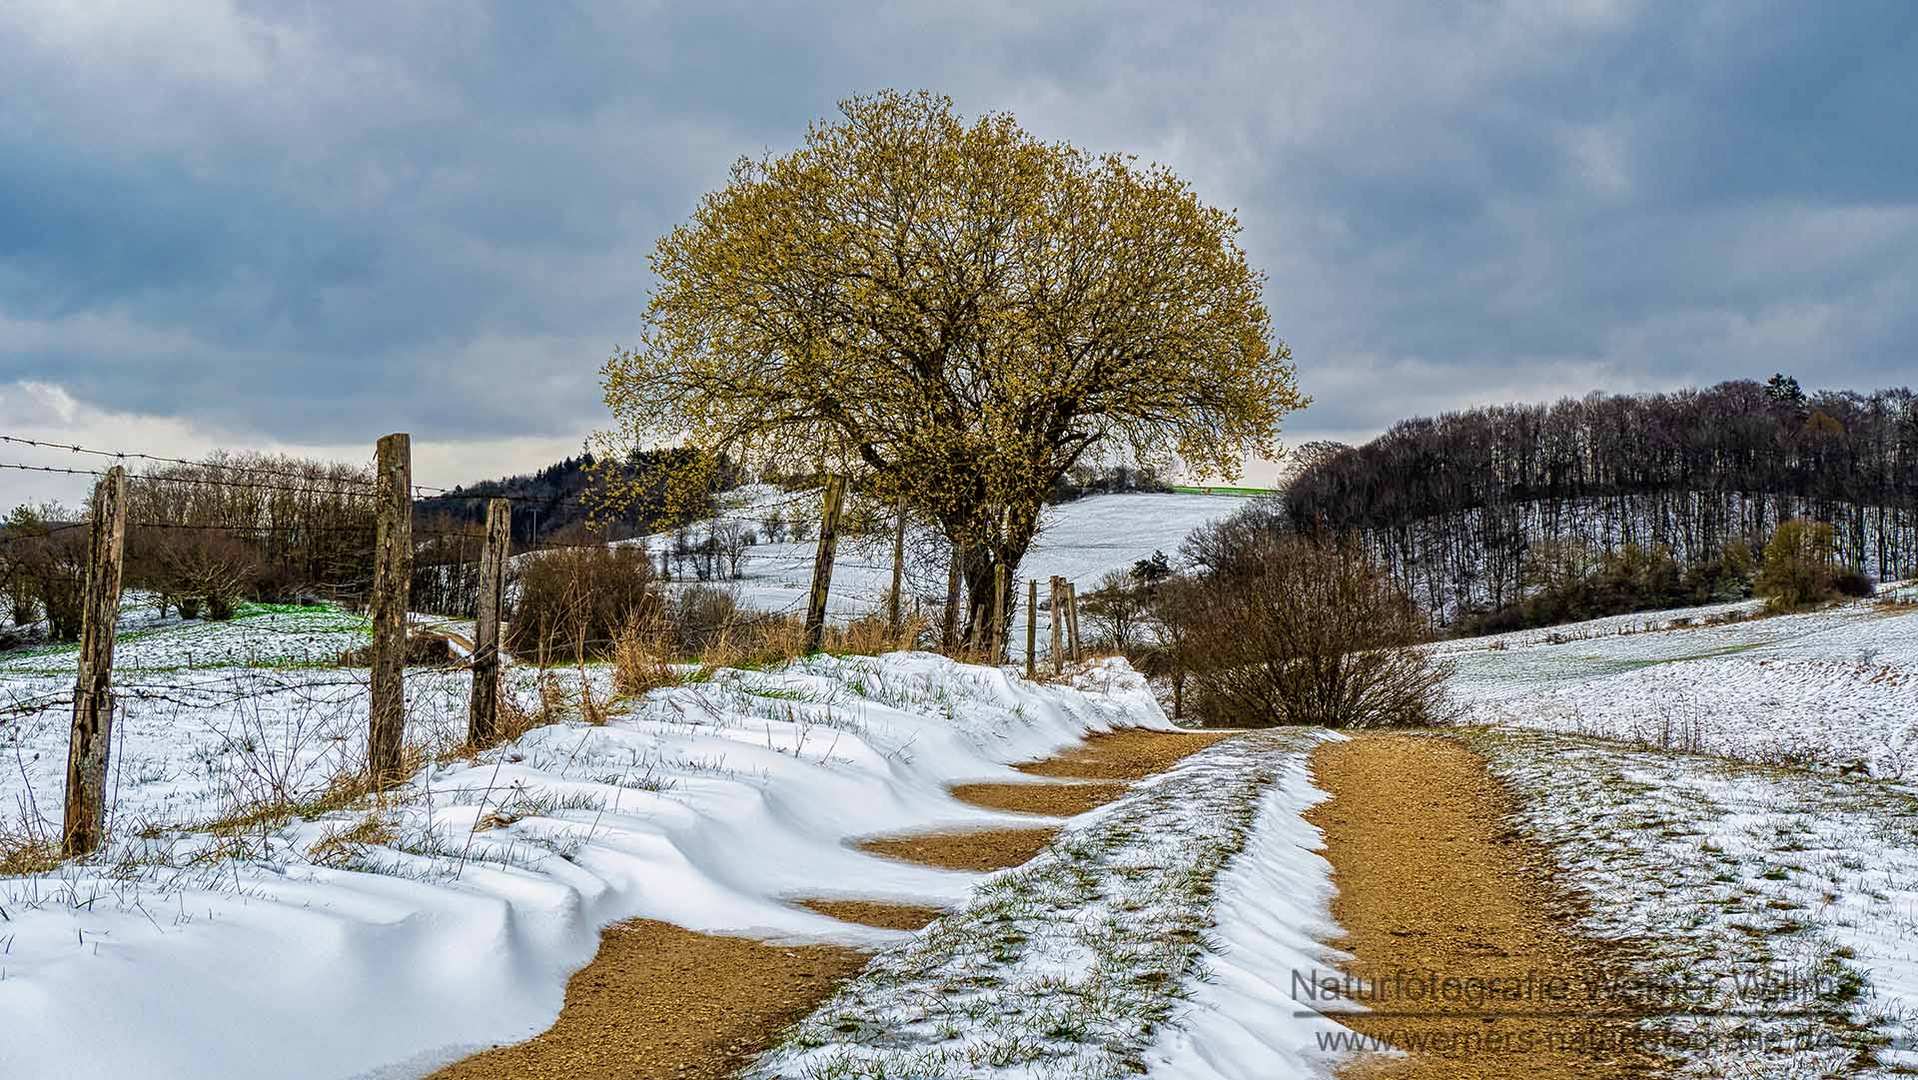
125,455
314,485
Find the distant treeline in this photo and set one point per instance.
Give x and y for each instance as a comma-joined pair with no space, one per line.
557,502
1459,507
202,537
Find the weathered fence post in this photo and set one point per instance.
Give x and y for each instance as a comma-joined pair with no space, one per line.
997,637
895,600
392,584
1058,618
949,622
482,715
92,736
1032,628
1072,618
822,564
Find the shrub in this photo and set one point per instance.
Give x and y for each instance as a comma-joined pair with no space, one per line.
701,615
1573,580
422,650
573,603
1287,629
49,565
1855,584
1799,566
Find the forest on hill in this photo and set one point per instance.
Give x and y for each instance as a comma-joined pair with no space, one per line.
558,502
1474,510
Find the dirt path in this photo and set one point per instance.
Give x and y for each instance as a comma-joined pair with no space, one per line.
1431,883
662,1003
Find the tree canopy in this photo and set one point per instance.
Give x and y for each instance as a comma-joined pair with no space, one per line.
955,315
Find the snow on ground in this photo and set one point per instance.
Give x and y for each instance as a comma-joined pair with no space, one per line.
1831,689
447,915
1771,914
1245,1019
1768,904
1149,936
260,635
1081,540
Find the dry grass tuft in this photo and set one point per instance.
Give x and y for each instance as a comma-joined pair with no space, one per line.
22,854
344,847
870,635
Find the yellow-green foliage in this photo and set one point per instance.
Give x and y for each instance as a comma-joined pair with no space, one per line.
1799,565
956,314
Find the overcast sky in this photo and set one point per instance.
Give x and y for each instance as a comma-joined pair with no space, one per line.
302,225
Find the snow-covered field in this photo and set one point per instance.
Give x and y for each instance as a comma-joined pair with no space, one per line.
1834,689
1080,540
1735,800
215,938
1771,914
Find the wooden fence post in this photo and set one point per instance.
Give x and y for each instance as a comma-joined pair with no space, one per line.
997,637
895,600
1032,628
392,585
949,623
1058,619
92,737
482,714
1072,617
822,564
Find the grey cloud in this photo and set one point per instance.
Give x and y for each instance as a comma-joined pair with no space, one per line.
316,222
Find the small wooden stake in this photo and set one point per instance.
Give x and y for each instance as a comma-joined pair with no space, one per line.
482,715
895,599
91,740
392,586
1072,617
1058,619
997,632
822,563
1032,628
949,622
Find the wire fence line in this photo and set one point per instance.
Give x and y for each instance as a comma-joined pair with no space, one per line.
393,578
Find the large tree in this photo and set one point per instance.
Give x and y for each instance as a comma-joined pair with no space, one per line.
955,314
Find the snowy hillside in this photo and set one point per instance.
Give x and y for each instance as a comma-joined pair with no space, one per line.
1081,540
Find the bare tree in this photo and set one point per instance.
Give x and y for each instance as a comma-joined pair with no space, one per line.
49,552
731,539
1117,609
774,523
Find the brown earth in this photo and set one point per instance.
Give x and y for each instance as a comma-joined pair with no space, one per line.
1430,881
979,849
663,1002
875,913
1052,800
1129,754
1114,761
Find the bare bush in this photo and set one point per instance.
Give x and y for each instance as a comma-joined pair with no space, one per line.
201,567
574,602
49,556
1286,629
1117,610
773,523
701,614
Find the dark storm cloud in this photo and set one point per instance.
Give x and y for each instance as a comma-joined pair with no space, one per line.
363,215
